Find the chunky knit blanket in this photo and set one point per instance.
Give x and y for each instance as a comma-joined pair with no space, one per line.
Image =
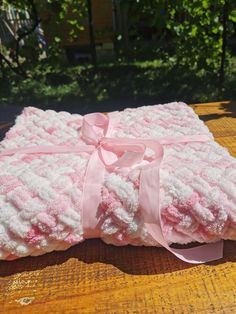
147,176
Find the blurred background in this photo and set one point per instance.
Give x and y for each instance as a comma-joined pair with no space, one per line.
104,55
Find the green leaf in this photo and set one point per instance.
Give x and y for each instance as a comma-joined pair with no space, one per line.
205,4
61,15
194,31
232,16
57,39
215,30
72,22
172,12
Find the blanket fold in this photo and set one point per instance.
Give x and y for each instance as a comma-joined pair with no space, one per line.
146,176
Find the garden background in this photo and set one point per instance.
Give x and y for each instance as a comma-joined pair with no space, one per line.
103,55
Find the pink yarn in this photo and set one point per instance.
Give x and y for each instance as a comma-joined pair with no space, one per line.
40,195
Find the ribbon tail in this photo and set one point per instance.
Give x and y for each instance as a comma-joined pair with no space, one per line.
202,254
150,206
196,255
91,198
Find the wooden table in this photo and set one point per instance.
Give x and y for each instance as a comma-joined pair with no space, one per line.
93,277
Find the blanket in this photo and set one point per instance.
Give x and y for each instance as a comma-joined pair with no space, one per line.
147,176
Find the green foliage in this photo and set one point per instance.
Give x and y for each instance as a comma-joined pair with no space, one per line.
197,27
232,16
115,84
187,46
56,14
69,13
151,13
193,29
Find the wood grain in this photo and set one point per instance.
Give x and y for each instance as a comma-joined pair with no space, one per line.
93,277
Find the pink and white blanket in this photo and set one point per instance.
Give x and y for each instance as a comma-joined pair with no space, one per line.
147,176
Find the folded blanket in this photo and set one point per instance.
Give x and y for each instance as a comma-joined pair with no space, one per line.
146,176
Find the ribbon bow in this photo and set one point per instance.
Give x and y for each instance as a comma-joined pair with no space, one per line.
109,153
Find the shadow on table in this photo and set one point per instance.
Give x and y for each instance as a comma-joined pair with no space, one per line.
224,110
128,259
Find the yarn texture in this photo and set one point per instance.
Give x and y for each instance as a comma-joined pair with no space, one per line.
41,194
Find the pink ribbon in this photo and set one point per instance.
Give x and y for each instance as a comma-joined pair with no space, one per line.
108,154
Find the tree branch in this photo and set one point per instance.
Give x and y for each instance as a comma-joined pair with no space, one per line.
36,20
27,33
17,70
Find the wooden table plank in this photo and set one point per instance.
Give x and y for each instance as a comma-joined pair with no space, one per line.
93,277
220,117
